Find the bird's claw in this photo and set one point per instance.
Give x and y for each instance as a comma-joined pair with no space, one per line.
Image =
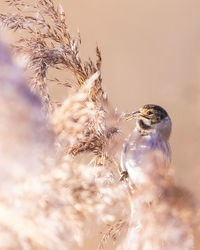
124,175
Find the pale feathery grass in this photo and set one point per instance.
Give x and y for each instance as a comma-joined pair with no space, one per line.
47,41
163,215
47,200
20,115
85,125
55,207
54,200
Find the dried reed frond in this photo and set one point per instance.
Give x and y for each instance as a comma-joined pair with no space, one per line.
70,199
83,124
52,208
85,121
64,200
113,233
47,41
55,207
84,116
163,215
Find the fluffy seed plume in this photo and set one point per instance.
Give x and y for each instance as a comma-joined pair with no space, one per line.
51,198
45,38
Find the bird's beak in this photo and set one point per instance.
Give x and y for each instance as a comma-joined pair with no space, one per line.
135,114
132,115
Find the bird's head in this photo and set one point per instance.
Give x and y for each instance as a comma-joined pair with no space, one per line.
153,118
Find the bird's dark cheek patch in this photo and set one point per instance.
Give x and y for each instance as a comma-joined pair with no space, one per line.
156,120
143,125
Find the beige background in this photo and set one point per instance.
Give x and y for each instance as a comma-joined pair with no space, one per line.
151,54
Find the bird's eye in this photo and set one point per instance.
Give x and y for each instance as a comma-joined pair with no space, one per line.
149,113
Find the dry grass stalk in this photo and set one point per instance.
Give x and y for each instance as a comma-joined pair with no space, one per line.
83,117
50,208
65,197
85,125
47,41
163,216
70,196
113,233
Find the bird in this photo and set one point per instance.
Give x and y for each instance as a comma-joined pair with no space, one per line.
150,136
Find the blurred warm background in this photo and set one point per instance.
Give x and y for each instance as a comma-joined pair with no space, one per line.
151,54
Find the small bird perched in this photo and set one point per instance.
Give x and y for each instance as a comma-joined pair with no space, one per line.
150,136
